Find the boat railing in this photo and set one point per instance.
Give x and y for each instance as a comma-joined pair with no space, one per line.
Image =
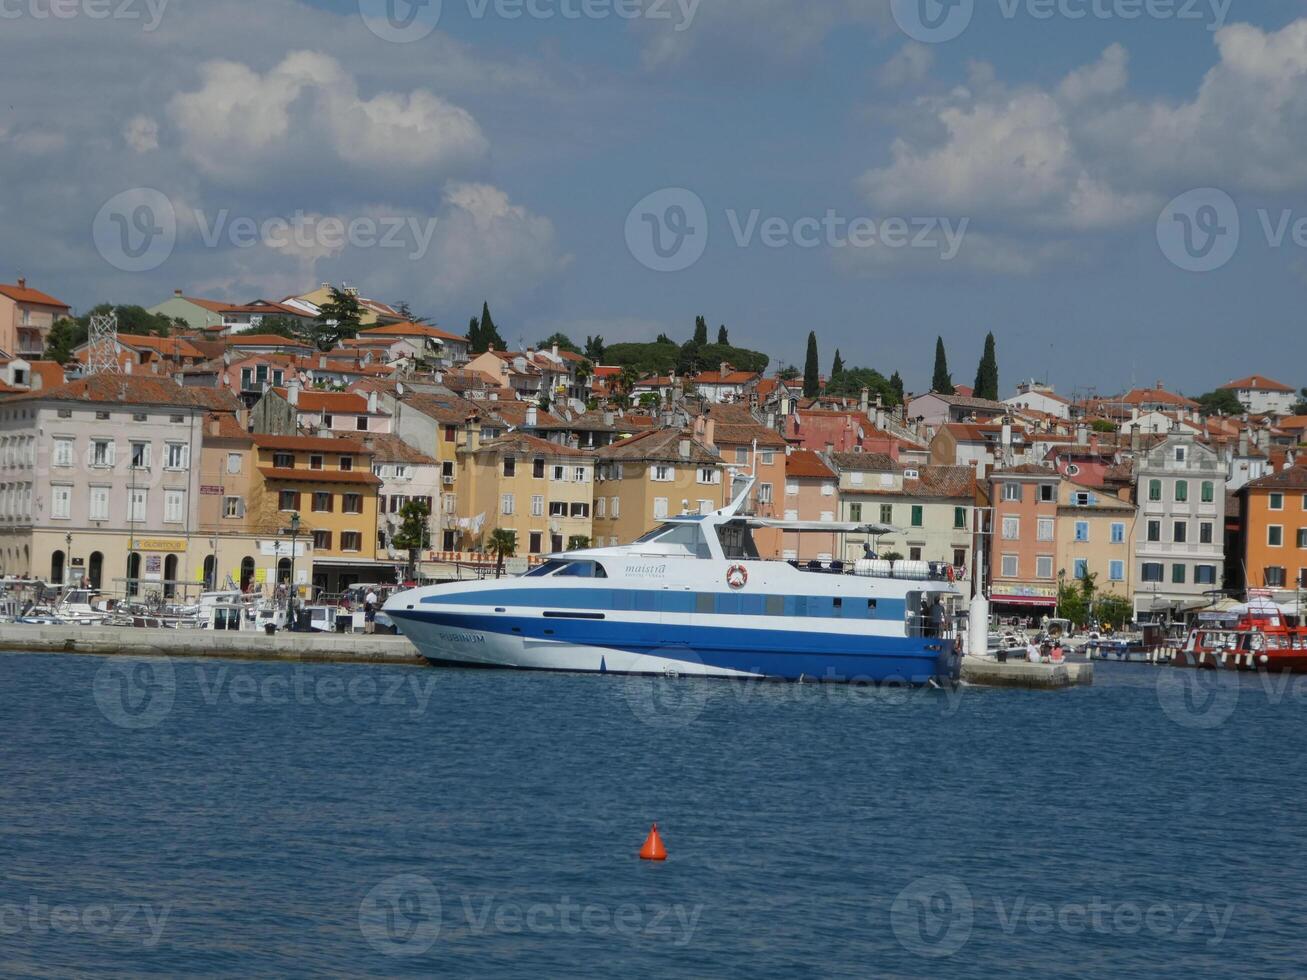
911,571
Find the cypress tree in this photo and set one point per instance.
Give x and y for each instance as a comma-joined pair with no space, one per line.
489,333
474,336
896,386
837,367
987,373
700,332
722,337
811,370
942,383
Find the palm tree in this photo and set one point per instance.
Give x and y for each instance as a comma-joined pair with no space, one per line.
503,543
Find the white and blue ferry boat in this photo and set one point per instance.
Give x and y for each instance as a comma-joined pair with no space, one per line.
693,598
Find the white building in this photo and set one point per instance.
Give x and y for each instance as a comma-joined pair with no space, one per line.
1260,395
1039,397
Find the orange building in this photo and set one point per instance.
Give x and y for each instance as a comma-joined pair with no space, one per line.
1275,530
1023,547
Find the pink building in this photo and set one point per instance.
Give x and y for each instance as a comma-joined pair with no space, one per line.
26,316
811,494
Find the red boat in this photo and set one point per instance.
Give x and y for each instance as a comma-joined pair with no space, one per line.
1260,639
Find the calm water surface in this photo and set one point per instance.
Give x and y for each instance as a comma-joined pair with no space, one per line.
204,818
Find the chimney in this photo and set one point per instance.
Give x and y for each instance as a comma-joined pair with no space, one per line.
1082,434
177,292
214,425
22,282
710,433
372,402
532,417
725,369
1243,443
866,401
1136,439
293,392
554,351
685,448
608,418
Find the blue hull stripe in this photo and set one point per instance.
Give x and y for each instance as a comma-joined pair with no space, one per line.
817,655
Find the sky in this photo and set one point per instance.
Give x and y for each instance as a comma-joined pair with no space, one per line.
1115,188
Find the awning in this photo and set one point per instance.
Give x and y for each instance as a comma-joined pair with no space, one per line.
1023,600
354,563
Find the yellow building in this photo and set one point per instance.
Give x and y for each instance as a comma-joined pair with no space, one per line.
649,477
330,485
372,313
1095,536
541,491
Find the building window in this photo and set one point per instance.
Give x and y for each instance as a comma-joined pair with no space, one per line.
233,463
959,518
791,489
535,541
663,474
1180,532
538,506
321,502
1012,492
63,453
1277,501
1118,534
601,507
288,500
959,558
1082,531
510,466
764,493
580,510
99,504
1181,491
61,502
321,540
1011,528
660,508
1181,454
1302,537
347,464
1011,566
1154,532
580,475
855,514
174,506
140,455
615,507
1081,569
742,455
1116,571
1153,571
1209,492
1179,574
887,513
559,474
1274,577
1046,529
709,475
557,508
351,503
361,423
283,461
176,456
102,453
1155,490
351,541
1205,532
316,461
1044,566
233,508
1275,536
506,505
136,500
327,421
1047,493
537,469
1205,575
918,515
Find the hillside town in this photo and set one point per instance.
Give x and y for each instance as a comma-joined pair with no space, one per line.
324,440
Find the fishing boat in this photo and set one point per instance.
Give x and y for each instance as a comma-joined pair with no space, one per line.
1255,636
693,597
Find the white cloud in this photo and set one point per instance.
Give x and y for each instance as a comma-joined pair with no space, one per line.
910,64
239,122
141,133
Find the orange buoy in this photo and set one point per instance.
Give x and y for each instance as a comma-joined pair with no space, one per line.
653,849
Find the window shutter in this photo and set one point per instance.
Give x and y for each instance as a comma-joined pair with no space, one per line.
299,502
240,506
111,455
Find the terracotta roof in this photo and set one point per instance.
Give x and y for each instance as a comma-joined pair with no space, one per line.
1290,479
390,448
212,305
591,422
135,389
1256,382
865,463
51,373
1026,469
1154,396
362,477
309,444
345,402
729,378
264,340
948,482
805,464
229,428
660,445
514,413
523,443
446,409
409,329
24,294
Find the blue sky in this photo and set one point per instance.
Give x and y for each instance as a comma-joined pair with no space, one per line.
1030,158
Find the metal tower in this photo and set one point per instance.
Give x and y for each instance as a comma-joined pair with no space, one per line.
102,349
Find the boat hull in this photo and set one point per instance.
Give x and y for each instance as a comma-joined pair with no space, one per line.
590,646
1269,663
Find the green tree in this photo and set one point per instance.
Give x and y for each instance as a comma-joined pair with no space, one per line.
503,544
474,337
987,372
1104,426
722,337
69,333
1300,406
850,382
837,366
487,333
896,387
594,349
1222,401
406,311
650,399
1114,611
942,382
563,341
811,370
700,332
281,326
338,319
65,336
789,373
578,542
414,532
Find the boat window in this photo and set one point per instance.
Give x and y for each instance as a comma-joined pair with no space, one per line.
737,541
679,539
582,569
548,568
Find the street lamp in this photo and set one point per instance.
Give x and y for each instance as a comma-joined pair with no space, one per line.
294,533
68,557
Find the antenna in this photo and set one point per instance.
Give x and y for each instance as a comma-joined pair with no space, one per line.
102,346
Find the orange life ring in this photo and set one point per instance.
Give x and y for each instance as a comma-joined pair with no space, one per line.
737,577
